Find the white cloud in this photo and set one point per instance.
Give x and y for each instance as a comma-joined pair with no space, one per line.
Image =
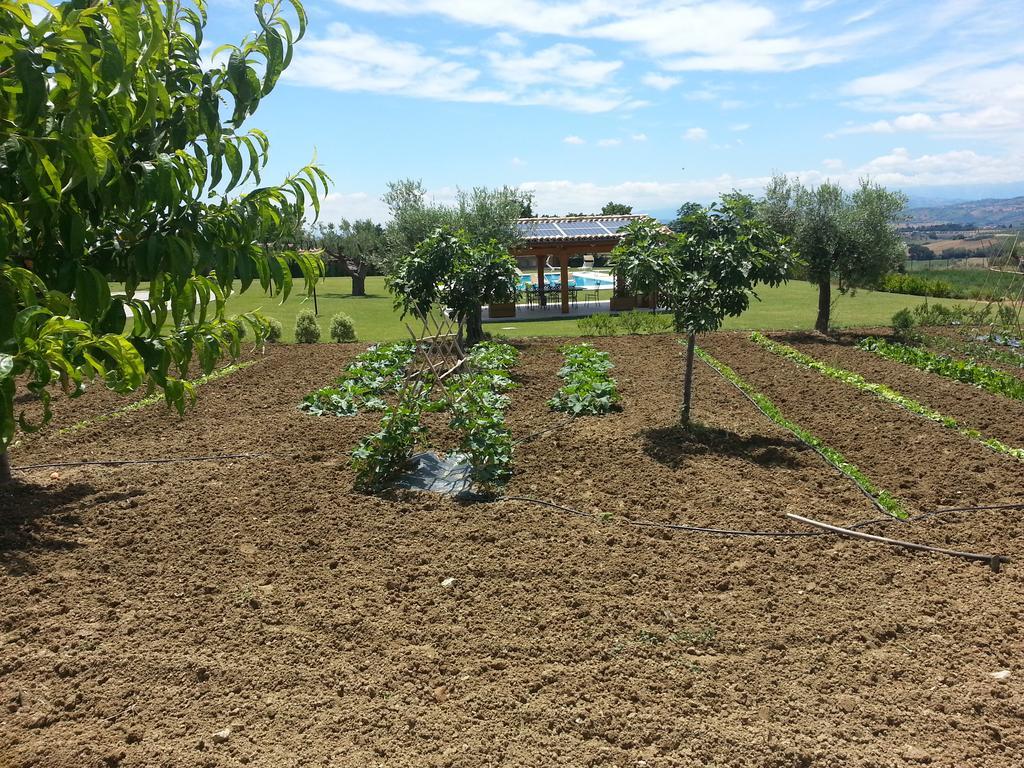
639,137
660,82
994,119
352,205
517,161
897,169
507,40
563,76
809,6
744,35
565,63
740,127
863,15
609,142
348,60
574,140
695,134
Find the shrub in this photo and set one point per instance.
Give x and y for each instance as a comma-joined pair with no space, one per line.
274,330
596,325
306,329
632,323
343,328
904,327
957,314
653,323
913,285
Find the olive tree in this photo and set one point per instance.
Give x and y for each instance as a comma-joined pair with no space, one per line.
847,237
483,214
358,245
708,273
445,271
119,148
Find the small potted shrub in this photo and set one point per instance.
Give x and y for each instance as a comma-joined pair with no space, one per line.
343,328
306,329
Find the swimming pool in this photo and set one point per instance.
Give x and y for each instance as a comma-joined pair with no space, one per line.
581,279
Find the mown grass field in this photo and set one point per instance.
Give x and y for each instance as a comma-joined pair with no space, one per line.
789,307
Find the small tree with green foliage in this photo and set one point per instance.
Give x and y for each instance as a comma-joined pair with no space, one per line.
119,145
446,271
850,238
710,272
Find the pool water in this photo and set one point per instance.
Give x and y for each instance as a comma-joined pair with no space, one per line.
590,280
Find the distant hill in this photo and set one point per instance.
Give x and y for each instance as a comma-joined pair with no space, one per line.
983,213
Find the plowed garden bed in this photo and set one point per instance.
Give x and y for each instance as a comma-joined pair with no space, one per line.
258,612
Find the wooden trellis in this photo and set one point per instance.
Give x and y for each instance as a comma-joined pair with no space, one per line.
439,355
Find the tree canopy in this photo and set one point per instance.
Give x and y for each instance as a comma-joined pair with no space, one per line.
709,272
483,214
847,237
616,209
445,270
119,148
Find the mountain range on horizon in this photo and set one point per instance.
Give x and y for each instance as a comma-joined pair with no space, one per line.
988,212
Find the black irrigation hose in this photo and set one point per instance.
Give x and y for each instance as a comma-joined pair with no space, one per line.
874,501
760,534
113,463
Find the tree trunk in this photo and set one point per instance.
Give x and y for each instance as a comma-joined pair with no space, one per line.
5,468
824,305
475,326
359,283
691,342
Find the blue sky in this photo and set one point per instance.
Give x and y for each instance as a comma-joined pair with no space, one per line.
647,102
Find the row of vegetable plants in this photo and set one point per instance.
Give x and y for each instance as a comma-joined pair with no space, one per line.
363,385
976,347
968,371
589,388
476,402
884,500
885,393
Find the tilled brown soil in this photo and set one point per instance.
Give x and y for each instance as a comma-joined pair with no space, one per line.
993,415
257,612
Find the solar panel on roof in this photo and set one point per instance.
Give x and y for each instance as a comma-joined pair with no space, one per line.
582,228
542,229
615,224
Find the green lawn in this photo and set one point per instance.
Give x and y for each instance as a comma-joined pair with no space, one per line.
791,306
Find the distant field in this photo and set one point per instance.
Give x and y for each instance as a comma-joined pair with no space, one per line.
987,281
939,246
977,262
791,306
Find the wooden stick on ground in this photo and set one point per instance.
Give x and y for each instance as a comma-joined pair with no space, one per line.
994,561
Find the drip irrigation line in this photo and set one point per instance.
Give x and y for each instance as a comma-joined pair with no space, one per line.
118,463
994,561
874,501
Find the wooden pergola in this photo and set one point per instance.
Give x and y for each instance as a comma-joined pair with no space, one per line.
559,238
